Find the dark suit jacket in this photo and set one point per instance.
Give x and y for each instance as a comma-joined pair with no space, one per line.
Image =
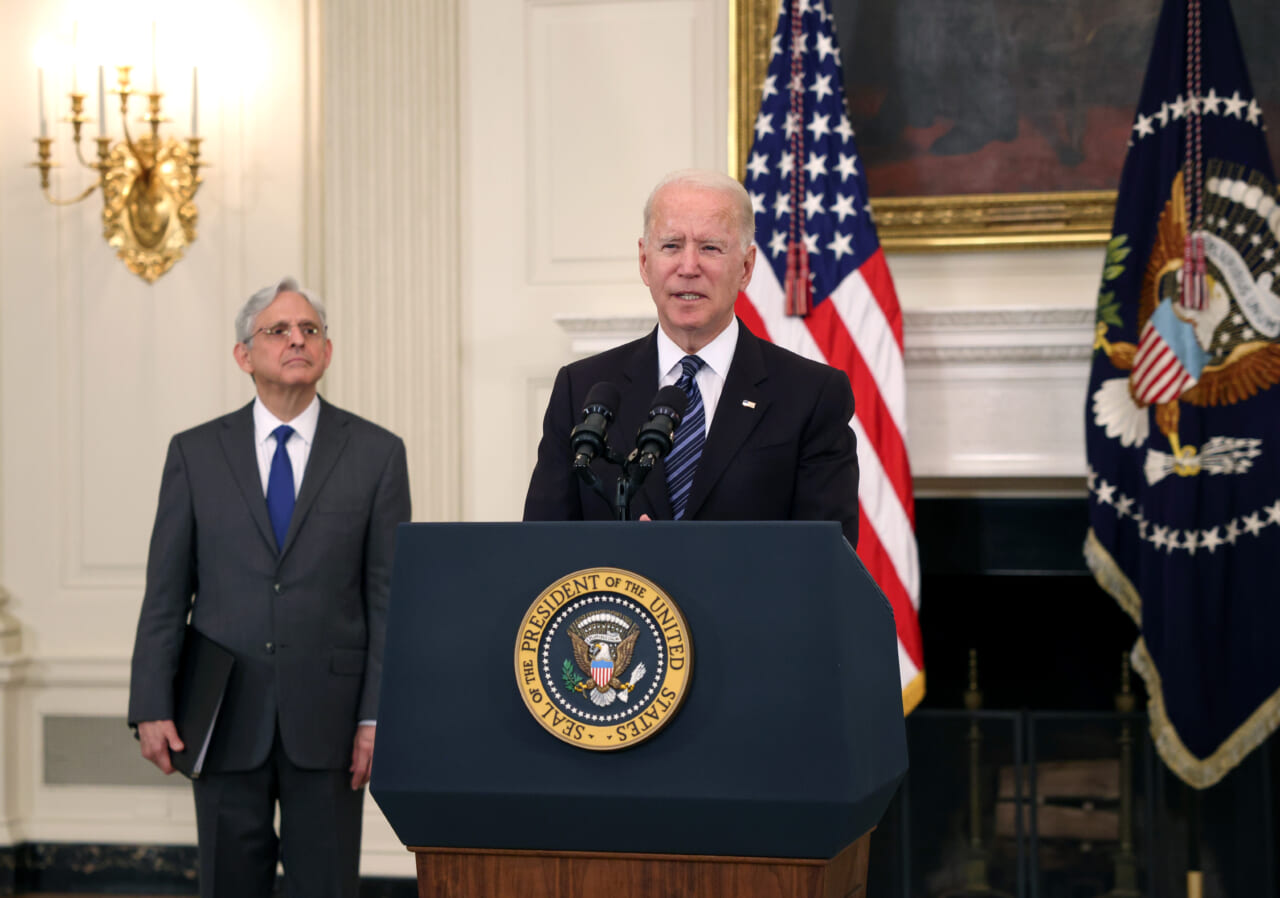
780,446
306,624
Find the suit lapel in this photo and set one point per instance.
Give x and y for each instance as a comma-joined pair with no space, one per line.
639,384
331,438
740,409
242,459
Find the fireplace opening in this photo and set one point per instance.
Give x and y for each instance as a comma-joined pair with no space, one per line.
1067,792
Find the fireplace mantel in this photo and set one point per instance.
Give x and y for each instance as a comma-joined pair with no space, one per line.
995,396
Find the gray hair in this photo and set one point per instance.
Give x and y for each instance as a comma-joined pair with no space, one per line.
709,180
250,311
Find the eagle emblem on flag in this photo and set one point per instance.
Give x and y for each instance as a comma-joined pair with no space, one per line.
1217,345
603,643
1182,421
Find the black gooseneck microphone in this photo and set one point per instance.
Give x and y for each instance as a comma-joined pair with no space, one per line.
652,442
665,413
587,441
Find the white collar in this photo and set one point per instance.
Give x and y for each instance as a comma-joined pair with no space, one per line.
264,423
717,355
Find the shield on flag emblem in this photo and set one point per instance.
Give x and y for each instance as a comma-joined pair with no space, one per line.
602,673
1169,360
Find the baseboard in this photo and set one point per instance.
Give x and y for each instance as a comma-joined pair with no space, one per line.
115,869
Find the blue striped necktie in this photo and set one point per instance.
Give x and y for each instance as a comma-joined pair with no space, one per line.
280,496
689,439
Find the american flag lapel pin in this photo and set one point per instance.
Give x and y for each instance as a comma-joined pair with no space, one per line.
748,403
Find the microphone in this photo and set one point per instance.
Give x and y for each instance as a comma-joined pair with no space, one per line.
588,439
665,412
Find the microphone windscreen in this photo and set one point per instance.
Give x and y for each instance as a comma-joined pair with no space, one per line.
671,397
605,396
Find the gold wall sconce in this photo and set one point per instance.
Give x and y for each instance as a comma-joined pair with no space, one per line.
148,182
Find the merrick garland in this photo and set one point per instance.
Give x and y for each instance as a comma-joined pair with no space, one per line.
274,535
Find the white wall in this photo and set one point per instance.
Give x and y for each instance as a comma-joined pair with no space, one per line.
452,176
97,369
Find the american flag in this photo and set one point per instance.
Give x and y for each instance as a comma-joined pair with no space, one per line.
821,288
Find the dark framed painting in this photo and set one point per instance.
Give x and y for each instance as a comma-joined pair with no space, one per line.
992,122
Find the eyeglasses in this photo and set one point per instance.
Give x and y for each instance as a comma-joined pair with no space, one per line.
280,332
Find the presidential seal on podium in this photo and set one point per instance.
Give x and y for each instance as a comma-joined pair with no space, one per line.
603,659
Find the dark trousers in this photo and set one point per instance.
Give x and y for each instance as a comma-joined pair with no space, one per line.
318,843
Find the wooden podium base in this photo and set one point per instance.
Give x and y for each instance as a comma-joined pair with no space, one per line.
476,873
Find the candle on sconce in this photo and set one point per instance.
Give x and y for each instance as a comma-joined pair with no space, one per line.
155,72
195,102
44,125
75,41
102,106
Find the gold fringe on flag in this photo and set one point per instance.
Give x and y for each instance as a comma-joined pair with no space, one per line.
1199,773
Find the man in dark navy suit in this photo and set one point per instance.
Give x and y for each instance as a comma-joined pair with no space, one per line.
769,428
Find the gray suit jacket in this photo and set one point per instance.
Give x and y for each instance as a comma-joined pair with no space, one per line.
305,622
780,447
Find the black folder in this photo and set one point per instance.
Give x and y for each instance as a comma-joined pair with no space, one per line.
201,683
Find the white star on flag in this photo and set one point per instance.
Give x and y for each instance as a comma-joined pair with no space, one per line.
843,206
840,245
821,87
816,166
847,166
813,205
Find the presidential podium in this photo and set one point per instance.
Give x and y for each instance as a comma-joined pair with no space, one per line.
767,779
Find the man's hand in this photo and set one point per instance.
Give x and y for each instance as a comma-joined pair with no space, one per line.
158,738
362,756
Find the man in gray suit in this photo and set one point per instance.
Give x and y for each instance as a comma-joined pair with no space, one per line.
274,535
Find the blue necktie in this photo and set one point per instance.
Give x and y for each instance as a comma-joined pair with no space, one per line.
689,438
280,497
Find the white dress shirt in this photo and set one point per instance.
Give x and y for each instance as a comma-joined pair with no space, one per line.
298,447
717,356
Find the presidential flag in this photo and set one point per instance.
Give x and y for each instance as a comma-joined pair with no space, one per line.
1183,412
821,288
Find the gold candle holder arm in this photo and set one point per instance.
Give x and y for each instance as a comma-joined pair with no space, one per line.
44,162
154,117
76,119
193,147
124,89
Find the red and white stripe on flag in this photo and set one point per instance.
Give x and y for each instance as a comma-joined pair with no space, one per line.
859,330
1158,375
814,234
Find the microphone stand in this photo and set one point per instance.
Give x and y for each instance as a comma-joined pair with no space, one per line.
635,468
582,467
632,473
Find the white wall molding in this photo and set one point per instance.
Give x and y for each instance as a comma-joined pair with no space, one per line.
589,334
997,335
